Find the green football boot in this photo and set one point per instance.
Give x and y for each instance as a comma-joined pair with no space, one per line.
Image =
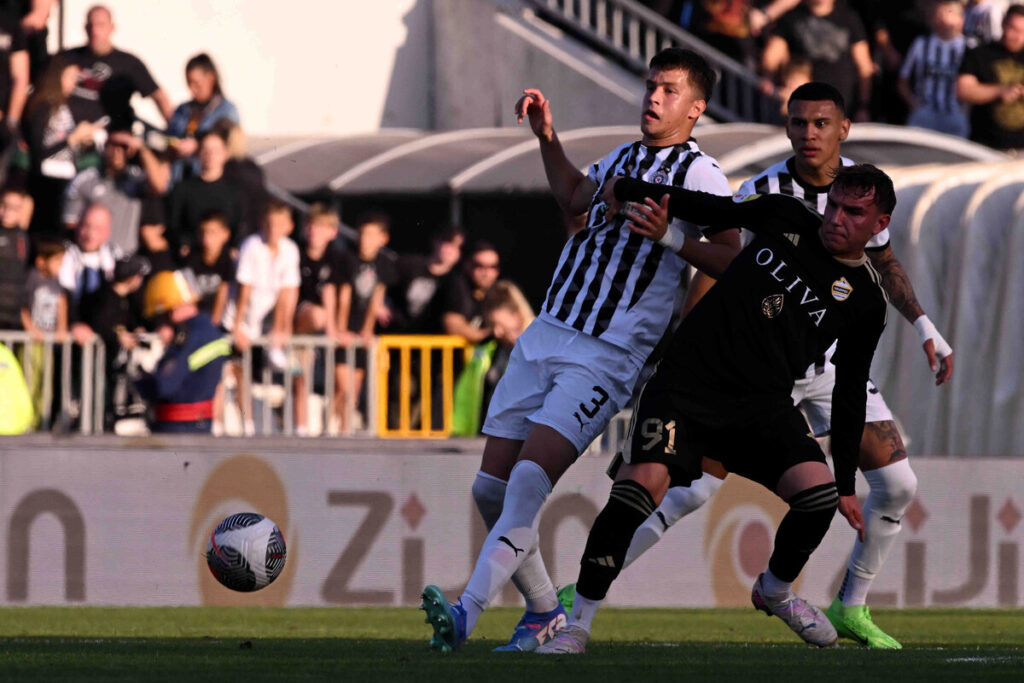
567,596
855,623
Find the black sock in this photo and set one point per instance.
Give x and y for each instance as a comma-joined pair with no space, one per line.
629,505
803,527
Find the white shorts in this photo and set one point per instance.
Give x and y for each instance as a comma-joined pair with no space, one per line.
564,379
814,397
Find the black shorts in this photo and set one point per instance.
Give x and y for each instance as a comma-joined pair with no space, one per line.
341,356
760,449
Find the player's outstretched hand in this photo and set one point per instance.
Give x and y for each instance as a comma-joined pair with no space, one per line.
649,219
537,108
849,507
942,366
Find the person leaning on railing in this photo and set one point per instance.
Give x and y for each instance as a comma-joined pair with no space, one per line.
182,387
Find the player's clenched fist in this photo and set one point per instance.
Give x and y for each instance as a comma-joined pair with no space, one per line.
534,105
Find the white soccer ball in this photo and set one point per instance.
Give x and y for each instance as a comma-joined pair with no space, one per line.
246,552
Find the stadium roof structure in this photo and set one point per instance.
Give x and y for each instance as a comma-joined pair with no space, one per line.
505,160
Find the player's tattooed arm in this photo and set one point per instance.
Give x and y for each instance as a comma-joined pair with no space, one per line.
896,283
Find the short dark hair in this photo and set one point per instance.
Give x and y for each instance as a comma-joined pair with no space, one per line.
215,216
377,217
816,91
275,205
482,245
700,74
1015,10
865,179
49,246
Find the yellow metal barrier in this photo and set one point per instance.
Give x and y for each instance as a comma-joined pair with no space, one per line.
423,346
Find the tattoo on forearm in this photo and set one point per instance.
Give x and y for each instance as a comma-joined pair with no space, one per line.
896,284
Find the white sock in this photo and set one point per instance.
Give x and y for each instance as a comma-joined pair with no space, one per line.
532,577
678,502
774,586
511,539
583,612
892,489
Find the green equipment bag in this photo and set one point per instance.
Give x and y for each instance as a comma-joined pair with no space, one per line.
469,391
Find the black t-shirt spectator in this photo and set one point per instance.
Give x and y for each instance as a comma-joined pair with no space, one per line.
997,124
458,298
364,276
14,248
825,42
417,297
104,311
249,182
12,40
328,269
194,198
209,277
106,85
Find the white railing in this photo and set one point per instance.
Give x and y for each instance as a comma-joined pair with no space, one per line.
632,34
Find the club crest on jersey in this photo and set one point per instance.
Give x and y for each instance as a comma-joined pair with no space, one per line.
841,289
661,177
771,305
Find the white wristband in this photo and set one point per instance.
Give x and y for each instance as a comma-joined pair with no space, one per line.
926,330
673,239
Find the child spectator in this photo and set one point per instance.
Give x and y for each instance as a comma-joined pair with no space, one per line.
193,118
212,265
928,76
114,313
321,270
264,295
14,248
365,278
44,311
153,244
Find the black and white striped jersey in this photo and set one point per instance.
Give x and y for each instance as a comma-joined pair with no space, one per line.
781,178
932,65
612,283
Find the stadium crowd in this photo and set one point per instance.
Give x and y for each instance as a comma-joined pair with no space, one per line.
96,201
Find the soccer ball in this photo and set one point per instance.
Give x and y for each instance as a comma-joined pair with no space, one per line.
246,552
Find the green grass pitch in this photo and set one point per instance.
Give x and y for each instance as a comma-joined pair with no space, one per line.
383,645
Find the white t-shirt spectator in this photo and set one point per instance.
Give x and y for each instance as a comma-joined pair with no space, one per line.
266,275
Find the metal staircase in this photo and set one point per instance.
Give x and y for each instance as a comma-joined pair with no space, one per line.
629,33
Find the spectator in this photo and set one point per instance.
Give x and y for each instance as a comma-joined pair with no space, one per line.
54,143
120,185
186,379
983,21
212,265
831,36
243,174
463,312
14,248
264,295
109,77
88,263
153,244
196,197
195,117
725,25
992,80
114,313
44,311
507,312
932,65
14,76
321,268
416,299
365,278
